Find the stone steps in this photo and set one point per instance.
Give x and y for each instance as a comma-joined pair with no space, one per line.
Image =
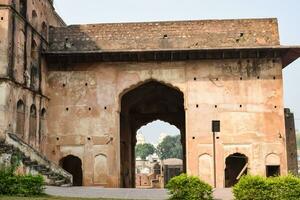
55,178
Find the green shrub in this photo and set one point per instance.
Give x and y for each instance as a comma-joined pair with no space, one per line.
274,188
185,187
20,185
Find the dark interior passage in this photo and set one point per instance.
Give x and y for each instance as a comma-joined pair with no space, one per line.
273,170
236,165
73,165
146,103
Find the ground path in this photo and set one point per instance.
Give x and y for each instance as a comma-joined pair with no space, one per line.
97,192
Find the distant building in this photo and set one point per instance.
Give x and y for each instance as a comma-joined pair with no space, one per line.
140,138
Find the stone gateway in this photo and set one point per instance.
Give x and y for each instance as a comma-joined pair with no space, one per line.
75,96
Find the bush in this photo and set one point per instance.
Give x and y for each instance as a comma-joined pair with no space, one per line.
20,185
185,187
274,188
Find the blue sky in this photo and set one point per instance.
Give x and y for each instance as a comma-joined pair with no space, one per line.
287,12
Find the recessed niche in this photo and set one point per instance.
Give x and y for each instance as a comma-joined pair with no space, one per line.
67,109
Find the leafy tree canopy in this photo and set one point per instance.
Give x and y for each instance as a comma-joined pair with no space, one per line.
144,150
170,147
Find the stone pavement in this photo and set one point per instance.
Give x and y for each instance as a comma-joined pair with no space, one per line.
98,192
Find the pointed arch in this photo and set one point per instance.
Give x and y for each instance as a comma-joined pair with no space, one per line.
32,125
73,165
23,8
140,104
100,169
236,165
34,19
205,168
42,129
44,30
20,118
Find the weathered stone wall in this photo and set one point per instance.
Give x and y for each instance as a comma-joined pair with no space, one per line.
24,27
4,42
291,143
166,35
246,95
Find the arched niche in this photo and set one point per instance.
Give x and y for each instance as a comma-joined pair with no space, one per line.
205,168
32,125
272,165
20,119
100,169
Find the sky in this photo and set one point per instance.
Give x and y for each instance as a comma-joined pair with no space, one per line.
106,11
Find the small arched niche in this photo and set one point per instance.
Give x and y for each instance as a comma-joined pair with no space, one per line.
42,124
272,165
34,19
32,125
100,170
20,119
205,166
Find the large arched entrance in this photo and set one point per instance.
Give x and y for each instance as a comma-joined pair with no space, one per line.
236,166
73,165
146,103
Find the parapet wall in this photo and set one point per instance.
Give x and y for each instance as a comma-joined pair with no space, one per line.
166,35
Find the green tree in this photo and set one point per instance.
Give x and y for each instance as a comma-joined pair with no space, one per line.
170,147
144,150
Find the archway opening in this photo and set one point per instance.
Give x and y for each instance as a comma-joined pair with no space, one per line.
42,126
32,125
73,165
158,154
236,166
20,119
146,103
